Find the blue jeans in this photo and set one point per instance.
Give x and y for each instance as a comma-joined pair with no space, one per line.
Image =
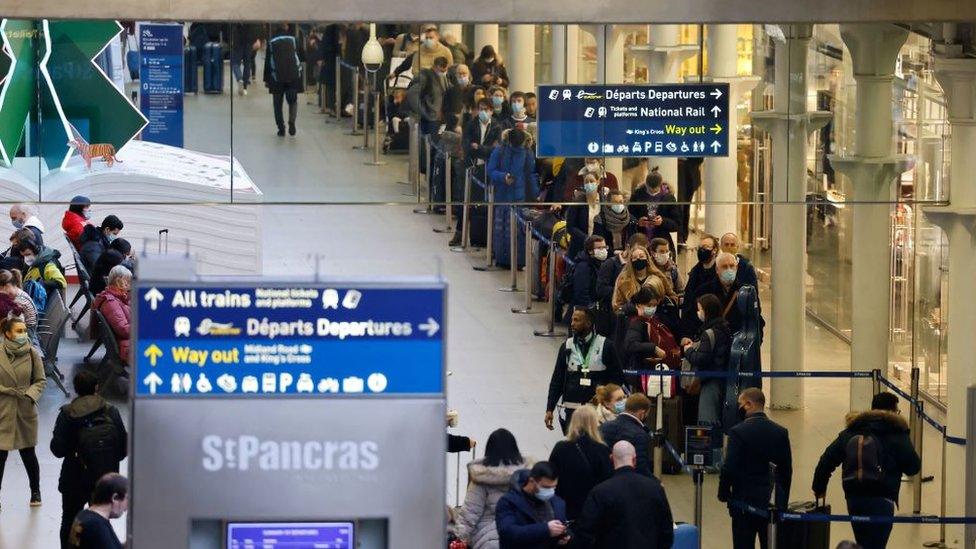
871,535
240,65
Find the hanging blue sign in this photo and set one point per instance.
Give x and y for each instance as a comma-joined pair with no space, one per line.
161,82
273,340
633,120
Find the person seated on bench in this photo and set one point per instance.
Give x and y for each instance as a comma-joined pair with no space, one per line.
113,303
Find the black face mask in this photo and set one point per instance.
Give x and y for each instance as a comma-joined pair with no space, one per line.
740,412
704,256
640,264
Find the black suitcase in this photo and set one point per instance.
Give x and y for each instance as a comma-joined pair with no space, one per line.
804,535
674,430
478,217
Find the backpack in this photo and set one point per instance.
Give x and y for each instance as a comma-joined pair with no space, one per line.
37,294
564,292
863,459
98,441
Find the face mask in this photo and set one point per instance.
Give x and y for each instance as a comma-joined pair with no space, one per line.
86,214
704,256
517,108
618,208
111,237
428,43
497,101
640,264
29,260
649,310
592,167
18,224
463,81
728,276
740,412
490,60
589,188
600,253
661,259
484,116
701,316
618,407
545,494
20,339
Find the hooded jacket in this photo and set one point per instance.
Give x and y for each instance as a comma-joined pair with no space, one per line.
898,456
73,224
47,270
522,520
486,485
64,442
93,245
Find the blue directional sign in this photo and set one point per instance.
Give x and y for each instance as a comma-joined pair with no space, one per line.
334,535
633,120
273,340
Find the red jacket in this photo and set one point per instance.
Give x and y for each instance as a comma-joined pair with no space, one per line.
73,225
114,305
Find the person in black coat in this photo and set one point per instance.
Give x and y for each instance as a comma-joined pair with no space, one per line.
699,276
581,461
118,253
629,426
587,268
531,515
709,352
481,134
753,444
639,352
581,218
459,79
655,209
95,240
897,457
77,481
585,361
746,272
614,222
329,50
726,287
606,281
283,74
629,510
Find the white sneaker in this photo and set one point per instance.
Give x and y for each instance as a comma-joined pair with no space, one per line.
240,88
243,91
349,109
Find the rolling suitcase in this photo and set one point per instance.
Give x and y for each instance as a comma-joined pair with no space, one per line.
804,535
674,430
213,65
685,536
190,70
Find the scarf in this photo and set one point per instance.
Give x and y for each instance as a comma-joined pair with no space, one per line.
15,349
614,221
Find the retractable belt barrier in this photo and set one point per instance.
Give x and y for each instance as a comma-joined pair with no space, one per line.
915,403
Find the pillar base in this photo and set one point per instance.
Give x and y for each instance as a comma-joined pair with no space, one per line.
872,176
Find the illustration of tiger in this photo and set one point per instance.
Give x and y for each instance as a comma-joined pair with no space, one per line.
88,151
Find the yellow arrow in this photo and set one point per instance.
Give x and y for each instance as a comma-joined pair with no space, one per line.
716,128
153,353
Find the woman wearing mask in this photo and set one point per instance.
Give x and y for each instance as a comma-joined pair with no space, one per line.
636,273
113,303
22,382
488,69
11,283
640,353
581,461
593,166
501,110
43,266
511,171
615,223
489,480
581,220
710,352
75,219
520,118
661,253
609,402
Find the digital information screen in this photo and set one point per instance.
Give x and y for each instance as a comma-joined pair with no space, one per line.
290,535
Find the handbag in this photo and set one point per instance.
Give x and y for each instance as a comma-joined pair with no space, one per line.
692,385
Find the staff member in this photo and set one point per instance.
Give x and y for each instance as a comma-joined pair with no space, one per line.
585,361
753,444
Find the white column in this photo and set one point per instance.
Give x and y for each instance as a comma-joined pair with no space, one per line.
719,178
663,56
790,124
871,169
610,70
572,54
558,55
483,36
958,79
520,60
455,29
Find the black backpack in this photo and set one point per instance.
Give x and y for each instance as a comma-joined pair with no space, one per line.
863,460
98,443
564,292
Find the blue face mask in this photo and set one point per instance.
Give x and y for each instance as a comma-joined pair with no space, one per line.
18,224
111,237
589,188
728,276
484,116
618,407
497,101
545,494
20,339
463,81
517,108
618,208
649,311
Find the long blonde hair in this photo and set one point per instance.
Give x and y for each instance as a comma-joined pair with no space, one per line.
628,283
584,421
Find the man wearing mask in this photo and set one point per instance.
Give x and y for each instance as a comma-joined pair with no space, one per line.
94,241
585,361
426,96
481,135
459,80
92,529
429,50
630,426
22,216
702,274
520,119
746,274
606,181
588,263
753,444
726,288
531,515
654,207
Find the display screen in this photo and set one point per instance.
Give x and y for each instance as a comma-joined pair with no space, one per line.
290,535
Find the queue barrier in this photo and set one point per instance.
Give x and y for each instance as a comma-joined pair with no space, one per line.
340,64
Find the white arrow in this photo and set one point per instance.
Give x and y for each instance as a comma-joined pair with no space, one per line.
716,93
154,296
431,327
716,110
152,380
716,146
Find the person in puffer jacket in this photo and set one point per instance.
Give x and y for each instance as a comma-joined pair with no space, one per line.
113,303
488,480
